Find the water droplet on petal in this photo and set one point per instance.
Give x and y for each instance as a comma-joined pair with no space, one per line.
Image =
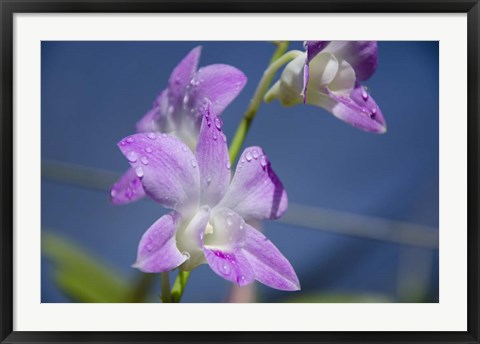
130,139
113,193
364,95
209,180
248,156
214,135
132,156
186,255
255,154
144,160
228,165
218,123
151,136
224,137
139,171
263,161
123,143
148,149
194,163
149,248
209,120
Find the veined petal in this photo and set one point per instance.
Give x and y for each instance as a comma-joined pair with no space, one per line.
154,120
255,191
219,83
157,251
270,266
212,157
182,76
166,166
127,189
358,109
190,239
362,56
314,47
223,242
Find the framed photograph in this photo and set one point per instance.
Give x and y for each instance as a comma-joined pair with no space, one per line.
239,172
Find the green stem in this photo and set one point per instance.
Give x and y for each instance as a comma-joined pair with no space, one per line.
179,285
282,47
256,100
165,287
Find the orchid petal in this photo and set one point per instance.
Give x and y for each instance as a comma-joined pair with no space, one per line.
314,47
166,166
213,159
362,56
154,119
182,75
219,83
292,82
157,251
190,239
255,191
358,109
127,189
223,241
269,265
344,80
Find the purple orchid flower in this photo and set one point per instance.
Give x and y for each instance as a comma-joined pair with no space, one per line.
328,75
211,209
176,110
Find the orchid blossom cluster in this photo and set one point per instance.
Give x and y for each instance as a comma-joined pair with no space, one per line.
179,158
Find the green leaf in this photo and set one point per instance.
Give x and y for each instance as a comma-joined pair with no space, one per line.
339,298
81,276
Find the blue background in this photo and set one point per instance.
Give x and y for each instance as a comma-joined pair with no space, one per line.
94,92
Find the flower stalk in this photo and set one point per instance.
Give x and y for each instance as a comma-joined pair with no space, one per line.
165,287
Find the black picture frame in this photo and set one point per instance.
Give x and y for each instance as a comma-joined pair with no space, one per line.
9,7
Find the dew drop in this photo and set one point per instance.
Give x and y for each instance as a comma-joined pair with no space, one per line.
218,123
139,171
149,248
151,136
374,110
194,163
131,156
209,180
113,193
248,156
144,160
255,154
123,143
228,165
186,255
215,135
364,95
130,139
263,161
224,137
148,149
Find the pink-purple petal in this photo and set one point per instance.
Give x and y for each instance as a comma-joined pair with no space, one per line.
358,109
166,166
127,189
154,119
314,47
212,157
232,266
219,83
255,191
362,56
182,75
157,250
269,265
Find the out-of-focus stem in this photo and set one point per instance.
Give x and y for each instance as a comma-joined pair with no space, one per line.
165,287
179,285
